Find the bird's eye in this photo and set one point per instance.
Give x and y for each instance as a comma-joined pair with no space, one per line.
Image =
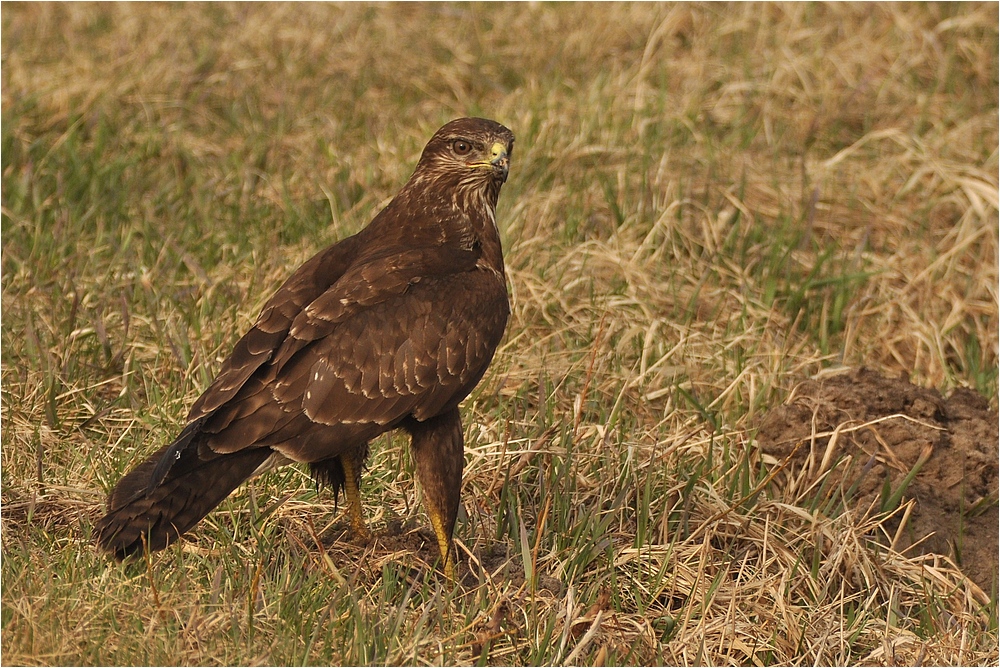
461,147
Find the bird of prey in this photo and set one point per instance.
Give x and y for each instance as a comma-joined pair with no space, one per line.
390,328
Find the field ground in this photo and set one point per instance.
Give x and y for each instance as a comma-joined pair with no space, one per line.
708,206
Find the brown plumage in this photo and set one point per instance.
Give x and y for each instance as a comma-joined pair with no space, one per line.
390,328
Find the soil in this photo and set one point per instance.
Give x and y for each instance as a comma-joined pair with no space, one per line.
955,490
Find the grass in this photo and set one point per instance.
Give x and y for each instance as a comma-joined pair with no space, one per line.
707,204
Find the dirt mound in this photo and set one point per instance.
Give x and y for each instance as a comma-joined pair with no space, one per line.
888,427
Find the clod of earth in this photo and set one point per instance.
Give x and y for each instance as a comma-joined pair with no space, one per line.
894,427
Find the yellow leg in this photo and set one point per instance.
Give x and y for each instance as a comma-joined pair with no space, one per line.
439,456
444,542
352,475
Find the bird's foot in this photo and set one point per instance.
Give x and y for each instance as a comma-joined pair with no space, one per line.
361,533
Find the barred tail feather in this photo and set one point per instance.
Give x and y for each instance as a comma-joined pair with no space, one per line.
169,493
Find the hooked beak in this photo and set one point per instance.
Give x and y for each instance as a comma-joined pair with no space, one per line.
499,159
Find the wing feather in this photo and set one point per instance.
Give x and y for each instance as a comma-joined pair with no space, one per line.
258,345
398,334
400,366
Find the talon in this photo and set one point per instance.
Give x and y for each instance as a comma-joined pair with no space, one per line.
360,533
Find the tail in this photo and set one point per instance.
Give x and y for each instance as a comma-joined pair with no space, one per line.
170,492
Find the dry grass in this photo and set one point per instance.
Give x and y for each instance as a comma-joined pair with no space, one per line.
707,204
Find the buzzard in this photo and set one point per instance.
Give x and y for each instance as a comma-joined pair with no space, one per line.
390,328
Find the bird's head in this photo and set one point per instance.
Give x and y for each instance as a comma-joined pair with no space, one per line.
473,151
